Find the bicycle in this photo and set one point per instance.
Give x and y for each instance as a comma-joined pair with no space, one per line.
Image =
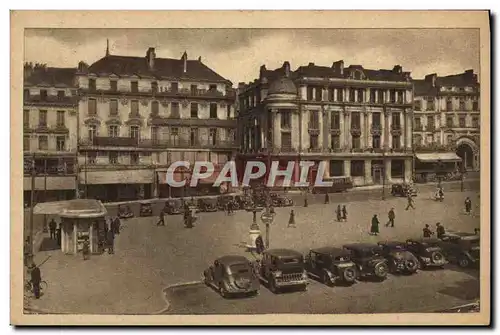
28,286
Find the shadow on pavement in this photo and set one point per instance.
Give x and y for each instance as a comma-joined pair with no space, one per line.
465,290
48,244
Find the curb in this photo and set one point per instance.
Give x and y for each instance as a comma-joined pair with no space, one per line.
164,295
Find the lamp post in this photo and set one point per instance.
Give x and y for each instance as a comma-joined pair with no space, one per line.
383,174
463,171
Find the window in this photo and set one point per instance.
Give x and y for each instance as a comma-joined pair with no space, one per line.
376,120
193,137
213,110
212,87
313,120
26,143
212,136
134,86
113,131
174,87
61,95
174,136
286,141
396,141
461,104
26,118
26,94
134,108
393,96
430,104
373,95
336,168
449,121
134,158
92,132
335,142
113,157
310,91
361,95
92,107
418,139
396,120
356,142
401,97
113,107
194,89
313,141
430,139
174,110
91,157
42,118
380,98
376,142
335,120
319,94
286,122
154,87
418,105
449,139
449,105
397,168
228,111
43,95
61,143
430,123
92,85
155,107
134,132
418,123
355,120
475,105
154,134
331,93
340,94
113,85
43,142
194,110
352,94
475,122
461,121
357,168
60,119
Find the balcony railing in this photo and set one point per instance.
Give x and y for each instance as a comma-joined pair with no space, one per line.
434,148
181,143
110,141
171,92
430,128
418,127
313,125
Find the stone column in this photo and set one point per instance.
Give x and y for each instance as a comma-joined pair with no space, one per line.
342,130
356,95
402,139
320,127
409,130
346,132
368,172
335,94
389,127
387,167
368,130
383,129
362,128
276,129
326,129
408,170
347,167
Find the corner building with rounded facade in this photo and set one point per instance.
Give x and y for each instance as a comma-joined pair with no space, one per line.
357,120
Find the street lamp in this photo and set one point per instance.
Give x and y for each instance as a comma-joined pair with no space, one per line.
383,174
463,171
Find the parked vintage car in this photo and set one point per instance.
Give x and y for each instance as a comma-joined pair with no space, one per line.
244,202
174,207
280,268
427,251
369,260
223,200
461,248
124,212
280,200
399,258
146,209
232,275
402,190
207,205
339,184
331,265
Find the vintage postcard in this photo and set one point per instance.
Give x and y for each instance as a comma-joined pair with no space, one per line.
250,168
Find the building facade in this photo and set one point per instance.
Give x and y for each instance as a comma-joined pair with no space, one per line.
358,121
50,133
140,114
447,116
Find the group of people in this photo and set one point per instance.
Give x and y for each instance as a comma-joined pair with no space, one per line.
440,231
55,231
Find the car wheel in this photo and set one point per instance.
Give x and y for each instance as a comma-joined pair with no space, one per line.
349,275
411,265
326,279
381,270
437,256
222,291
463,262
272,286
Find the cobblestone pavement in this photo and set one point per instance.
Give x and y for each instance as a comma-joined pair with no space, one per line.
149,258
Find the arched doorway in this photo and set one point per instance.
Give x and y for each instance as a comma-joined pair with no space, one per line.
465,152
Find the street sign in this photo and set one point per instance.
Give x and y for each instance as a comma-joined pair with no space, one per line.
267,218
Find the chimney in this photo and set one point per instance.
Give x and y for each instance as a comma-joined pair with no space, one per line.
431,78
107,47
150,58
28,70
311,64
199,59
469,74
262,70
241,85
397,69
338,67
184,62
286,66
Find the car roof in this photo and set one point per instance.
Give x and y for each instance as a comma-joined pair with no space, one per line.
459,233
330,251
232,260
358,246
425,240
391,243
283,253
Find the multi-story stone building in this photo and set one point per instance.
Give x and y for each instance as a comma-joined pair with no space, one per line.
50,132
357,120
447,116
140,114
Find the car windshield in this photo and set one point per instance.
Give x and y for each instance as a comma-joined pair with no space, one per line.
342,258
239,269
291,260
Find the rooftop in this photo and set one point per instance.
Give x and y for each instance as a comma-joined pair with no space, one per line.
35,75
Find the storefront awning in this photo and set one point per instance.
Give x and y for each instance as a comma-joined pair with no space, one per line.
79,208
438,156
144,176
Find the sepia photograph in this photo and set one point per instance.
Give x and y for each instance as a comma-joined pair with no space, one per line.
235,166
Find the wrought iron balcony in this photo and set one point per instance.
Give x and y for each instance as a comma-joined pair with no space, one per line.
418,127
106,141
376,129
434,148
182,143
355,130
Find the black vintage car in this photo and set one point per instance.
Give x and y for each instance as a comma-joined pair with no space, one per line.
224,200
461,248
331,265
146,209
207,205
280,268
428,252
124,212
399,258
368,259
174,207
232,275
402,190
339,184
244,201
280,200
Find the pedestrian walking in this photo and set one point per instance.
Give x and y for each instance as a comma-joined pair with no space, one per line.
291,220
36,278
306,203
58,235
374,229
271,210
86,250
259,245
344,213
427,231
391,216
468,205
339,213
117,225
111,242
410,202
52,229
439,230
327,198
161,221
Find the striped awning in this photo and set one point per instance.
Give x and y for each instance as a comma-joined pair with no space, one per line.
78,208
438,156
